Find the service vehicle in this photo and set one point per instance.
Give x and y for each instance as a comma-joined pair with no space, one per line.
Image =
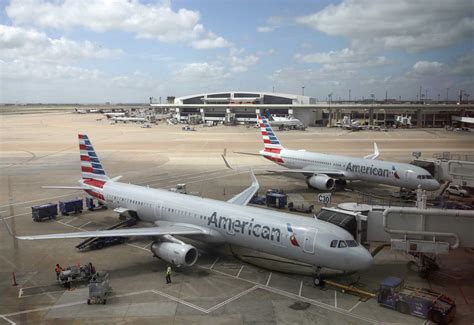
99,288
300,207
424,303
457,190
75,273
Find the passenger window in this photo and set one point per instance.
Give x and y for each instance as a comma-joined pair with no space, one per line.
342,244
334,243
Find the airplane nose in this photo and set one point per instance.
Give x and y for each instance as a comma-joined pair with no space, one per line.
365,260
433,185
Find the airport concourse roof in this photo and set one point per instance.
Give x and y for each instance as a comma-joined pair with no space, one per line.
249,93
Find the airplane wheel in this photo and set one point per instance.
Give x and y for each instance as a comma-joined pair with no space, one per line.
436,317
317,281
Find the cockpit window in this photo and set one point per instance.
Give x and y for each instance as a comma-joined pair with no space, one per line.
334,243
342,244
351,243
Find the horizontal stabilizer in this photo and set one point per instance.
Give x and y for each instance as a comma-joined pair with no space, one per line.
247,153
67,187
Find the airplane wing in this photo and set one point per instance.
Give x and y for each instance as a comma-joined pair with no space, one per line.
150,231
374,155
244,197
308,172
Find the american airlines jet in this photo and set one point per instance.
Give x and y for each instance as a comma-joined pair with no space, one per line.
322,171
307,240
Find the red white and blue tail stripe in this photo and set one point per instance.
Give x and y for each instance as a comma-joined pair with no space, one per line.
93,174
272,146
90,164
269,138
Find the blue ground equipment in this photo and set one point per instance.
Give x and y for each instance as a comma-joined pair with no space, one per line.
419,302
44,211
71,206
276,198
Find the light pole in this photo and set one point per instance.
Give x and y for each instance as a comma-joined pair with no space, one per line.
349,95
302,90
447,91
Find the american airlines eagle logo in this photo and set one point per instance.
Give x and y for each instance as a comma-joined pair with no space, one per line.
395,173
293,240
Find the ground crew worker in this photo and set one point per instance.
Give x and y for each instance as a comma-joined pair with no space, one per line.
58,270
168,275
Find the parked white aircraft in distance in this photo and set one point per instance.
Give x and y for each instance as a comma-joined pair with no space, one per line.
114,114
128,119
322,170
307,240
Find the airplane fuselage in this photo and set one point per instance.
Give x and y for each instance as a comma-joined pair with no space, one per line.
376,171
298,238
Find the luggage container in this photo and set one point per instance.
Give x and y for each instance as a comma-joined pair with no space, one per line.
71,206
276,198
44,211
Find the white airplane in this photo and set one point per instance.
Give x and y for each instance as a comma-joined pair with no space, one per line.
313,242
114,114
322,171
128,119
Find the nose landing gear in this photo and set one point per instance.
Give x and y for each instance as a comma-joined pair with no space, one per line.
317,279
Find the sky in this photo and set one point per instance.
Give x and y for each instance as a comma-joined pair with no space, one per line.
125,51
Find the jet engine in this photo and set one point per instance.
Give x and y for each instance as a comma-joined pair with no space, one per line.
176,252
321,182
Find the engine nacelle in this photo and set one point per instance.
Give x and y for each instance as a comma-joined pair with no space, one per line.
175,253
321,182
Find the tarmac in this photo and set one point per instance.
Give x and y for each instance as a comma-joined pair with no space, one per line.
42,149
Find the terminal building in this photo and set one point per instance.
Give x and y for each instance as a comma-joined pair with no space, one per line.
240,107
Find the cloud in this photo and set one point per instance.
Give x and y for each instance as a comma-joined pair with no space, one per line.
200,71
212,41
426,67
265,29
149,21
27,71
222,68
464,66
240,63
271,24
410,25
31,45
344,59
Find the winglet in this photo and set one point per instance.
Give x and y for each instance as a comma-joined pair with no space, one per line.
374,155
226,163
244,197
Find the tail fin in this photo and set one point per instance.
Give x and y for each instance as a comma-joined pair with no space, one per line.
90,164
270,140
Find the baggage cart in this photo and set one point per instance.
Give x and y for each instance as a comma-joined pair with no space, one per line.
99,288
44,211
71,206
